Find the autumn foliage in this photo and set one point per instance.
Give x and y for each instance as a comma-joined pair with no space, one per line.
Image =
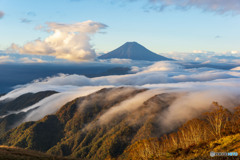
75,132
195,134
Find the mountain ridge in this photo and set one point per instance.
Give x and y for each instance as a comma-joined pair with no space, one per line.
10,110
134,51
75,130
80,135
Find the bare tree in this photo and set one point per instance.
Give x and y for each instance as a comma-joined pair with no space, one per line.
217,119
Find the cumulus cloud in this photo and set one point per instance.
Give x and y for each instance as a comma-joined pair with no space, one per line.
67,41
1,14
218,6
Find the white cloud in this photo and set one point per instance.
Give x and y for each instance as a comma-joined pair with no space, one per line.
192,104
51,104
236,69
67,41
135,69
202,76
158,73
163,66
231,57
5,59
235,52
127,106
31,60
200,86
120,61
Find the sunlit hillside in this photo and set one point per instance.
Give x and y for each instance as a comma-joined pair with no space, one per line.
103,126
216,130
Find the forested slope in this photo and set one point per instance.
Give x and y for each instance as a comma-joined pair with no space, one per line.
84,129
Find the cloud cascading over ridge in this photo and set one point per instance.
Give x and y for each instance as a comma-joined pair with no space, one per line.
67,41
197,88
219,6
167,74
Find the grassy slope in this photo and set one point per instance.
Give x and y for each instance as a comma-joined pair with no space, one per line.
13,153
148,149
192,142
226,144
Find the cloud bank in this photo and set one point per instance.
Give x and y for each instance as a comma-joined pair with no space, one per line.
194,103
160,73
5,59
197,88
52,103
230,57
67,41
188,104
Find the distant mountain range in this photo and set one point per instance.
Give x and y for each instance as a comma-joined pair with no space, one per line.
134,51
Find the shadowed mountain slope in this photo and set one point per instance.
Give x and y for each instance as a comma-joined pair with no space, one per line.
76,130
8,108
23,101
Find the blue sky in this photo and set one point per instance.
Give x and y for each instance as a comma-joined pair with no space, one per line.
182,26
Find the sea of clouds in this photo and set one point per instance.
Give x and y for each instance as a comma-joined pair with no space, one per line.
201,86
